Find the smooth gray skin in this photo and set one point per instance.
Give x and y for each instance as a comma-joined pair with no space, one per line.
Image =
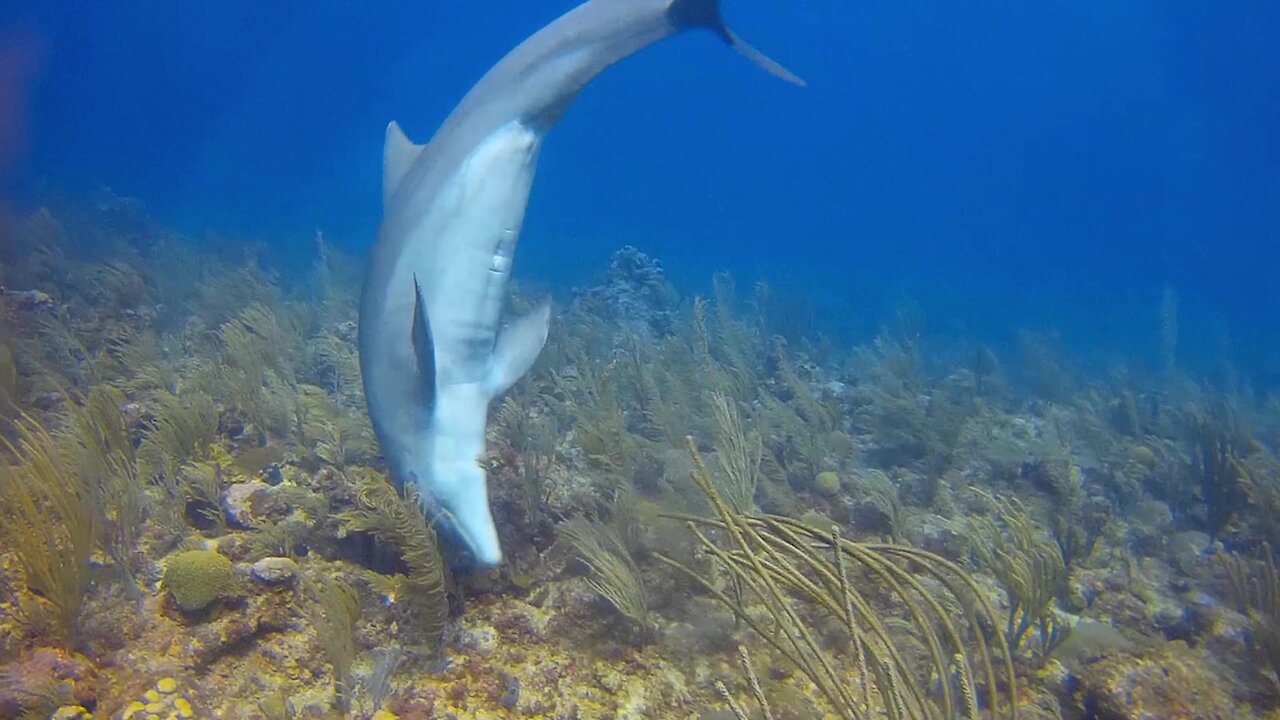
451,219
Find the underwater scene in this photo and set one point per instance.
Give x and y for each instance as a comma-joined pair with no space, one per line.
858,360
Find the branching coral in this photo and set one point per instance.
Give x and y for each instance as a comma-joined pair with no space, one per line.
737,346
531,435
1261,485
615,576
49,517
224,293
876,491
399,522
183,430
783,563
336,433
200,486
108,458
818,414
8,381
334,281
65,353
1043,367
1075,523
909,421
335,617
336,366
1029,567
183,427
601,429
805,430
116,285
204,366
738,452
256,367
1168,331
753,682
1223,477
1254,588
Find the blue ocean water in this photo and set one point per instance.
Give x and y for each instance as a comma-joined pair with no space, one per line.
1021,437
999,166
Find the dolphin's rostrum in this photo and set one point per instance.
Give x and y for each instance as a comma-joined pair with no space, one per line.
432,354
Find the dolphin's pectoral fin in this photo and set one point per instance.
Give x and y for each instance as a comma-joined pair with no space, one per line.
518,346
398,154
423,348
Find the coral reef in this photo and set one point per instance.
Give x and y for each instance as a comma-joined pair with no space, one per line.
708,510
635,293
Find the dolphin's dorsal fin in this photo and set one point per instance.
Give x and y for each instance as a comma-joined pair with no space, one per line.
423,346
517,347
398,154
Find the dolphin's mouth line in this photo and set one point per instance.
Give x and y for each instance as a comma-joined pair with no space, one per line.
439,516
472,547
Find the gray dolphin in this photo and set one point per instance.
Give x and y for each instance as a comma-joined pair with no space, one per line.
431,352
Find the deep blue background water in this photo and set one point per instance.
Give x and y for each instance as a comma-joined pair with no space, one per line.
1003,165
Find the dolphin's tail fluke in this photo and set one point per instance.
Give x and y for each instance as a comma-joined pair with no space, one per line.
706,14
765,62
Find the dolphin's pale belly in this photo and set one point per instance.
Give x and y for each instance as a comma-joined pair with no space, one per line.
458,249
462,252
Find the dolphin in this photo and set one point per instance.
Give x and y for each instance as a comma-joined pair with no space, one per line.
432,352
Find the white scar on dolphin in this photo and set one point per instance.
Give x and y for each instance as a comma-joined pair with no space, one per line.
431,352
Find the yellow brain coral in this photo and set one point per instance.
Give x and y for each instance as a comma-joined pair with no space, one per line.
198,577
827,483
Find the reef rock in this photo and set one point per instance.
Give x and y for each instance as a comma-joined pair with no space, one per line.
635,293
1175,683
32,300
261,614
275,570
937,534
43,672
244,503
1150,524
1187,549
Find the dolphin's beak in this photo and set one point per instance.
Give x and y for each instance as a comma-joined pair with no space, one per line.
475,525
